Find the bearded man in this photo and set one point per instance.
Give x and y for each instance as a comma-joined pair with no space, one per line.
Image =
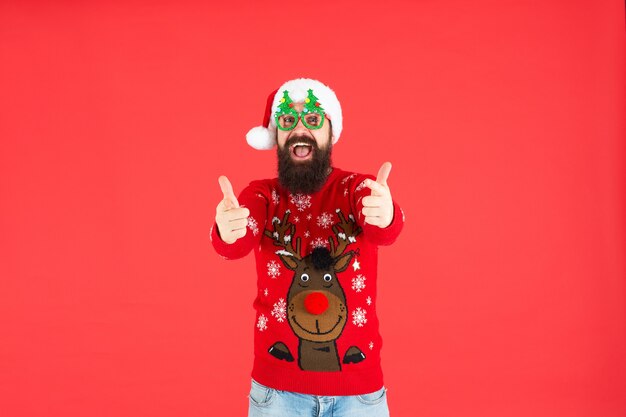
315,232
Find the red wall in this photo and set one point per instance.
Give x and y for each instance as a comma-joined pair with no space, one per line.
504,120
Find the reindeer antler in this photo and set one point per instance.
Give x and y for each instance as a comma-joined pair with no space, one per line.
282,239
350,231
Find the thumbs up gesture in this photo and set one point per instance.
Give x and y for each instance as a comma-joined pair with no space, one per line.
232,220
378,207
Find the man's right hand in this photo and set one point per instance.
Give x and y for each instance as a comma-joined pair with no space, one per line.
232,220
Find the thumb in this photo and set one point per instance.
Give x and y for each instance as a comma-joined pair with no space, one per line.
230,201
383,173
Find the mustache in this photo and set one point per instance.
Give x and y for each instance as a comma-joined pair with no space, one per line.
300,139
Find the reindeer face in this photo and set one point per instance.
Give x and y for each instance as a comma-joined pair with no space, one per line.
316,302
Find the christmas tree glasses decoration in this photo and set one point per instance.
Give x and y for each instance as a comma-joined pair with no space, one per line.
312,114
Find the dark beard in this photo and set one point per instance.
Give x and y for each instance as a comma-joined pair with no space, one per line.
305,177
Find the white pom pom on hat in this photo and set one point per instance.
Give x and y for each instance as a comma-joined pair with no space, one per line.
264,137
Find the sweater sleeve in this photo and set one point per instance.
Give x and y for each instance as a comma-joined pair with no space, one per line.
255,197
376,235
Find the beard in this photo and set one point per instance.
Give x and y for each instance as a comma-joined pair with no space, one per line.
303,177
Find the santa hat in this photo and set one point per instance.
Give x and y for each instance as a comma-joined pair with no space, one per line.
264,137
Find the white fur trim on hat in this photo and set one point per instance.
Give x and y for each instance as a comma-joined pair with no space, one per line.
261,138
264,137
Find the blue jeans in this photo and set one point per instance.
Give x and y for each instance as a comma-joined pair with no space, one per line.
269,402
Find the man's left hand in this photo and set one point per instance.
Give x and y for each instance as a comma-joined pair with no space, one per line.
378,207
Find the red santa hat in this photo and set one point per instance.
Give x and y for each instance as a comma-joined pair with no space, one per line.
264,137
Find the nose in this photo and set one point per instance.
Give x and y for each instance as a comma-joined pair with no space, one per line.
316,303
300,127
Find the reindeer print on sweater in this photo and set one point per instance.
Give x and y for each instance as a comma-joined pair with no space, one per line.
316,302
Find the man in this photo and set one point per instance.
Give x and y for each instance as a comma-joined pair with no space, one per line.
315,231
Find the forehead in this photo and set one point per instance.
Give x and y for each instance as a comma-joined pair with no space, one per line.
298,106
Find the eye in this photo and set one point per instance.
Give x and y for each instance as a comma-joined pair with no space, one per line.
313,120
304,277
328,277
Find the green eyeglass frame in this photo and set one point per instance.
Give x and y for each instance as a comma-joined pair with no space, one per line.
311,106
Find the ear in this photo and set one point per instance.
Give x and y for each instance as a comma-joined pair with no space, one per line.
332,135
343,261
289,261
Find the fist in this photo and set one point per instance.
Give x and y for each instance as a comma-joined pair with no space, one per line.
231,220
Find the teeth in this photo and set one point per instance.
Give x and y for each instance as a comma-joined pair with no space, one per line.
300,144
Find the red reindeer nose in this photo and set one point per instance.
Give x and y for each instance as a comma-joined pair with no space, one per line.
316,303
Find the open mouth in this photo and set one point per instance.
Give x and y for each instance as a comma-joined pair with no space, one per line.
301,151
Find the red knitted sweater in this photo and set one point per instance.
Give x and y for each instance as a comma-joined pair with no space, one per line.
316,330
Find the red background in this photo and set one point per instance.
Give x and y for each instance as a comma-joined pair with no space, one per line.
504,120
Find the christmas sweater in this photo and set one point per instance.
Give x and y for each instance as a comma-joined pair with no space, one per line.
316,330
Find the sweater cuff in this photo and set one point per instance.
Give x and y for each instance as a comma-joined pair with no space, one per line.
225,250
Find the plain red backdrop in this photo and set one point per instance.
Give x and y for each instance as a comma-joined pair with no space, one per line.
504,121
